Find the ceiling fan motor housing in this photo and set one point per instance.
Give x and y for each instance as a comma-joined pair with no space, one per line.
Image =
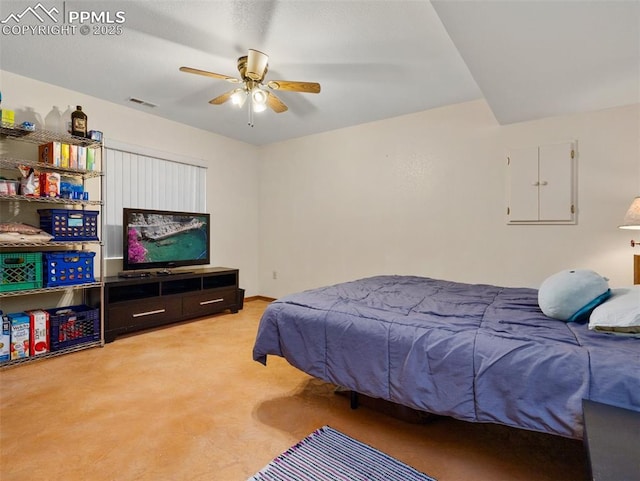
254,65
242,68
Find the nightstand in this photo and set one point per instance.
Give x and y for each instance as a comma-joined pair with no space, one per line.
612,437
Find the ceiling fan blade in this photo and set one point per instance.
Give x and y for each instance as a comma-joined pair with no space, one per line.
276,104
256,64
304,87
220,99
209,74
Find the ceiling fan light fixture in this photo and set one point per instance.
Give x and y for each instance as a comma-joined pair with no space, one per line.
259,107
238,97
259,96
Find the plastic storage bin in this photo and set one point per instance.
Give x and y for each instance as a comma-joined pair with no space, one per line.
67,268
20,271
69,326
68,224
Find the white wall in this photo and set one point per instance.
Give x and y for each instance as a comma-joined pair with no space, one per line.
232,174
425,194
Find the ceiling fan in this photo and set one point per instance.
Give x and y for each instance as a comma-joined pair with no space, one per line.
253,68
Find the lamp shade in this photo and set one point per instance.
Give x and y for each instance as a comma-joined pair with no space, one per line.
632,217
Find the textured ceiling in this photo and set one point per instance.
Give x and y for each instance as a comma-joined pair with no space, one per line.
374,59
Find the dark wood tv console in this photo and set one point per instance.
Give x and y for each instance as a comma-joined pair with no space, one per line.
132,304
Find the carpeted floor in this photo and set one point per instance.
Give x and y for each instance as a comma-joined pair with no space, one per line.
188,402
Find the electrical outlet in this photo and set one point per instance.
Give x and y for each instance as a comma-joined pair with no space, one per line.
275,275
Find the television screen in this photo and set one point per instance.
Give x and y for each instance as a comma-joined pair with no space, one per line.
164,239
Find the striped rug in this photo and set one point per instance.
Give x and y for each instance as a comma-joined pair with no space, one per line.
329,455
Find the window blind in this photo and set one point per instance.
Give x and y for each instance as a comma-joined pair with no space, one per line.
148,182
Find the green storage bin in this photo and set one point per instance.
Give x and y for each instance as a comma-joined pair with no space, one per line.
20,271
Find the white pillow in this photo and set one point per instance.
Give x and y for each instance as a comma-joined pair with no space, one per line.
620,314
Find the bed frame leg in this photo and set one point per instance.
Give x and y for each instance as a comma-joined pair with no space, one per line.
354,400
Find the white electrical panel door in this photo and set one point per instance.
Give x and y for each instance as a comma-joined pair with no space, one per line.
541,185
556,182
523,183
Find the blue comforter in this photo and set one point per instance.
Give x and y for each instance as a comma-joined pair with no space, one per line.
473,352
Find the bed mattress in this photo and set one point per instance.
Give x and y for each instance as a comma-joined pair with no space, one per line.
474,352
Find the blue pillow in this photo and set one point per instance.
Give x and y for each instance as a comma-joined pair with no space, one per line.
571,295
585,311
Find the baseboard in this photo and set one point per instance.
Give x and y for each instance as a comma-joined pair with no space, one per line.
259,298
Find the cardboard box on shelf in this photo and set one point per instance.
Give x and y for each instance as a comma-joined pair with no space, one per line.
64,155
20,326
73,156
49,184
91,159
39,332
5,339
82,158
8,116
50,153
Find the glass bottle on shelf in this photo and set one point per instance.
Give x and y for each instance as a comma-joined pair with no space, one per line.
78,122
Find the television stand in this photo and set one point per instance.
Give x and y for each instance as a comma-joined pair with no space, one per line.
169,272
137,303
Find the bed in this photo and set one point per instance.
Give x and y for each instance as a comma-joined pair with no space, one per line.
474,352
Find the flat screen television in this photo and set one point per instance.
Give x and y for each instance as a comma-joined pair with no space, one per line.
163,239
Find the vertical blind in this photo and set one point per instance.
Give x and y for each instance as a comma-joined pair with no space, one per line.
147,182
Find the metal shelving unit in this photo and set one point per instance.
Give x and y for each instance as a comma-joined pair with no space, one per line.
49,355
10,132
48,200
44,290
41,136
9,245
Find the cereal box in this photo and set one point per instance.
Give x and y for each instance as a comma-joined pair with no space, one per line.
49,184
39,332
5,338
20,325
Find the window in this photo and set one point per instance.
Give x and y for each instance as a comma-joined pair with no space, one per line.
144,179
